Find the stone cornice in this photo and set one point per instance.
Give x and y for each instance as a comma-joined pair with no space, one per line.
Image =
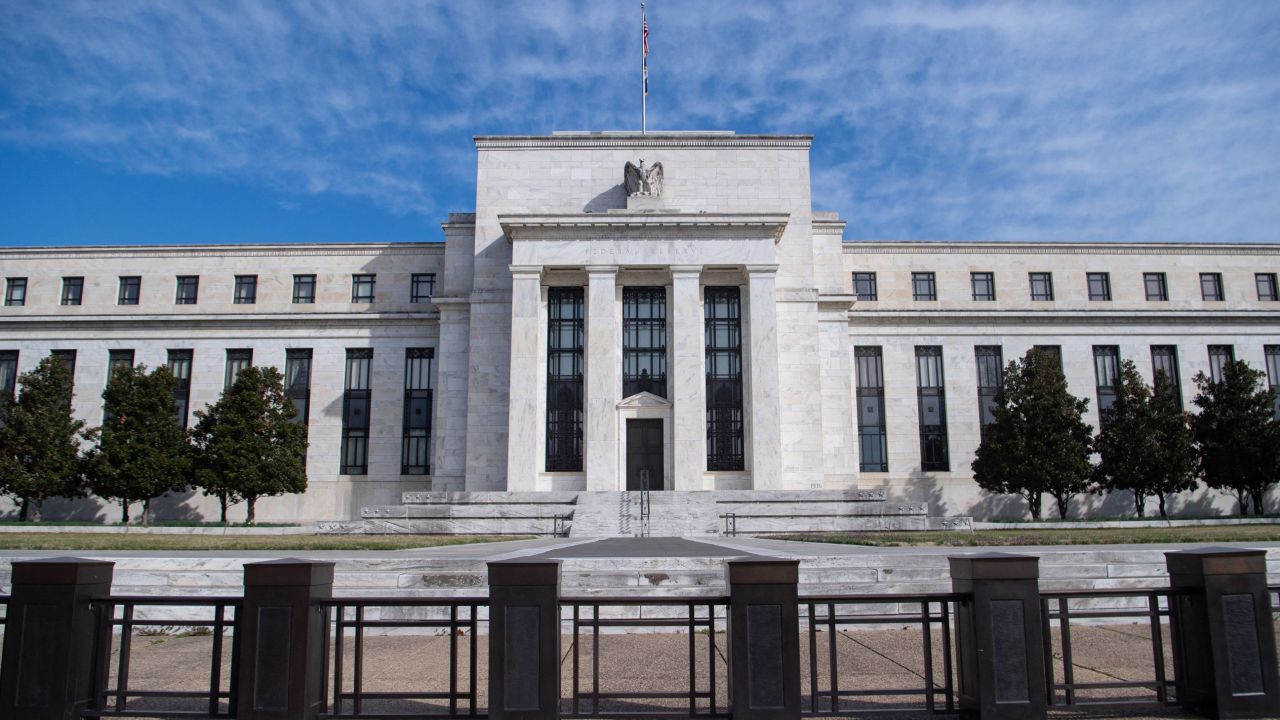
202,251
642,225
986,247
636,140
908,319
27,322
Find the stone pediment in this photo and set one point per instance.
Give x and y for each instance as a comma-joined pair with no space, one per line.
644,400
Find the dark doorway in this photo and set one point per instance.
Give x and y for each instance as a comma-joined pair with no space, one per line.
644,454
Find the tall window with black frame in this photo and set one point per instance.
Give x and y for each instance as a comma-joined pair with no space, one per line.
564,378
873,442
1219,356
237,360
1106,368
297,382
932,397
1272,354
355,412
723,316
415,458
8,377
644,341
990,363
1164,358
180,366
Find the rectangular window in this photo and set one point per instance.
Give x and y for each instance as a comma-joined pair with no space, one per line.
1054,351
932,395
1211,286
1106,368
180,366
1219,356
304,289
355,412
415,449
1157,286
1099,286
297,382
984,286
8,374
1041,285
564,378
72,290
924,286
864,286
188,290
15,291
130,289
1164,359
644,341
362,288
237,360
990,362
1267,289
873,443
723,316
68,357
246,292
421,287
1272,354
118,359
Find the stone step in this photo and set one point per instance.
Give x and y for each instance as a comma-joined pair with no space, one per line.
487,510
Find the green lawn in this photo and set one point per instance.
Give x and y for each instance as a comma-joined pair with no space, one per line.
105,541
1104,536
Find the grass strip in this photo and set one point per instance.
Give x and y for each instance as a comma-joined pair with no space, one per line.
1091,536
94,541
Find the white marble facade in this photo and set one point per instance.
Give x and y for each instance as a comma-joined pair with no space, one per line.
552,211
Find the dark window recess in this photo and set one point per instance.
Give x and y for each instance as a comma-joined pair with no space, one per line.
130,289
15,291
564,378
644,341
1164,359
68,357
924,286
8,374
237,360
1156,285
246,292
984,285
415,448
873,442
362,288
1041,285
1211,286
1099,286
355,412
118,359
1267,289
990,363
180,366
188,290
297,382
1219,356
1106,368
72,290
304,289
1272,355
421,287
932,396
864,286
1054,351
723,316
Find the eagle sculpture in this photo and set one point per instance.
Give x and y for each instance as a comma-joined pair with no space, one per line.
641,180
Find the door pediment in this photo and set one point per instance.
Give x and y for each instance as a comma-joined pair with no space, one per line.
644,400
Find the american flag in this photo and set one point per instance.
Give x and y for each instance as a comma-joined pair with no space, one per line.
644,38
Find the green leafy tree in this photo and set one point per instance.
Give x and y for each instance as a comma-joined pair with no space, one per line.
1037,442
1145,443
144,452
247,445
40,441
1236,434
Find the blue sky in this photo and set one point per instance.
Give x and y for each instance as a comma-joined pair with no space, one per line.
172,122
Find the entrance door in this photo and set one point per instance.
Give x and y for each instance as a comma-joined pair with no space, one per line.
644,454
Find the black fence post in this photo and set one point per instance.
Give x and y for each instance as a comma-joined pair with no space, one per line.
281,645
54,642
764,639
1223,641
999,637
524,640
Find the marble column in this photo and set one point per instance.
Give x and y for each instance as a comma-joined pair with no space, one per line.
449,428
764,408
523,416
604,379
686,379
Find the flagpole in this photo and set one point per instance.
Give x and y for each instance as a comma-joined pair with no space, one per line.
644,78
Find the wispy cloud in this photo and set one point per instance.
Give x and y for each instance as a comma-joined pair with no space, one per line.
1104,121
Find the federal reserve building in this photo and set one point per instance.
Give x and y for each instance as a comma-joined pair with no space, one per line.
626,311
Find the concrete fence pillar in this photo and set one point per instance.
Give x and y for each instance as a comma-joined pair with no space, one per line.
764,639
524,640
999,637
282,632
54,641
1224,643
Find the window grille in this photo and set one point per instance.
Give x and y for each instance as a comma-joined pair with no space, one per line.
297,382
421,287
1041,285
932,397
1211,286
355,412
990,364
723,326
873,443
644,341
1099,286
180,367
1157,286
984,286
416,443
564,378
924,286
1164,359
1106,370
864,286
304,289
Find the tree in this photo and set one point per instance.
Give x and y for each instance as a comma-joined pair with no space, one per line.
1145,443
1037,442
144,452
1236,434
40,441
247,445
